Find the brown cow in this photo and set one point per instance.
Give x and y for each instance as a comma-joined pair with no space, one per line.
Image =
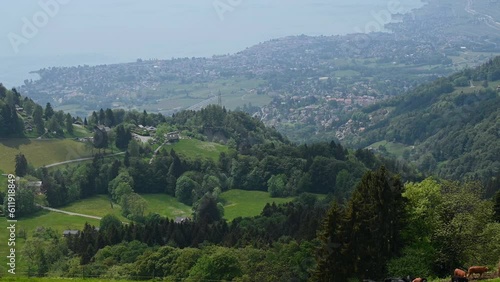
459,273
477,269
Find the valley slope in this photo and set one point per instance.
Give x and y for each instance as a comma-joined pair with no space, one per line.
450,128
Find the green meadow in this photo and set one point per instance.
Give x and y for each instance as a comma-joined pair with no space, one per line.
166,205
40,152
192,148
99,205
247,203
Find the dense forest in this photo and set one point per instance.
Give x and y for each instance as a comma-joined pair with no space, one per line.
377,216
451,127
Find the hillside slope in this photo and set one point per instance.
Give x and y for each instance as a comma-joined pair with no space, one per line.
450,127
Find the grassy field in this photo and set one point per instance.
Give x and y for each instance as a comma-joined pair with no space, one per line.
166,205
161,204
80,131
40,152
395,149
75,164
3,182
247,203
56,221
192,148
97,206
174,95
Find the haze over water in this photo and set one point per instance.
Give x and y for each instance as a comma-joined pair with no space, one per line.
98,32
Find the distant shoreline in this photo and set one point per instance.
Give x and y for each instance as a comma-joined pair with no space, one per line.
15,69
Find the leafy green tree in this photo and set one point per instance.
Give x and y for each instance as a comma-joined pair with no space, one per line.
277,186
21,165
49,111
102,116
323,172
123,137
100,139
109,220
461,82
423,198
109,119
120,185
185,259
416,260
223,265
38,119
496,207
144,118
68,121
419,255
486,250
59,115
94,119
343,184
41,262
25,199
30,251
305,183
454,237
126,159
54,188
133,205
54,126
331,262
133,149
207,211
375,216
184,188
210,182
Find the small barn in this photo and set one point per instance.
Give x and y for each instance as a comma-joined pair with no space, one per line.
172,136
180,219
67,233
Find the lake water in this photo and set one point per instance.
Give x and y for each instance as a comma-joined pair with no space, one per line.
96,32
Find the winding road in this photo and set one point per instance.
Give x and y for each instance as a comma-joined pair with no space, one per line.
488,20
74,213
70,213
80,160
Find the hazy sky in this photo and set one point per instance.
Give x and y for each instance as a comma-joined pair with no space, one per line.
102,31
163,28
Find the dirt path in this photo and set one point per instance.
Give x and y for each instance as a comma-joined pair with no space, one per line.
71,213
156,152
80,160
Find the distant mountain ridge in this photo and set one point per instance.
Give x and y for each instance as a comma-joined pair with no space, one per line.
450,127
